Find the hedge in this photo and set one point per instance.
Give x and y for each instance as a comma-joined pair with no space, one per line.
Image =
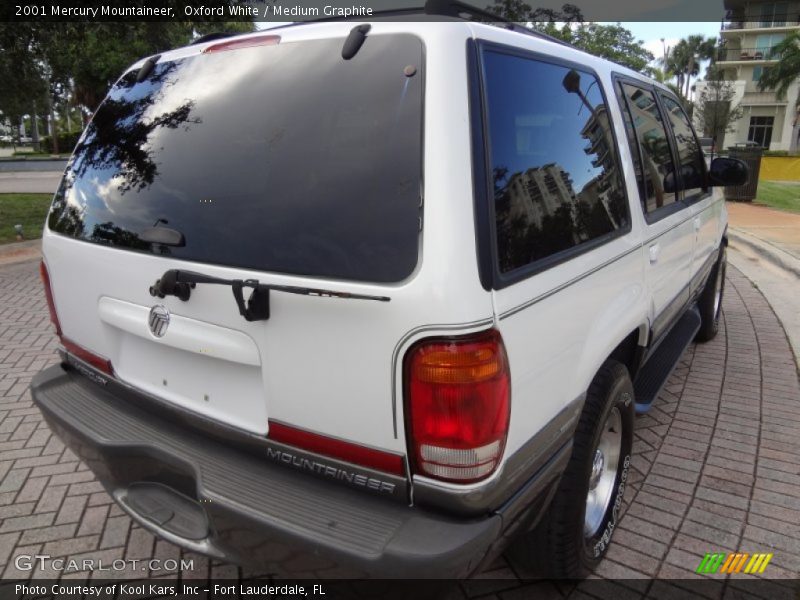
66,142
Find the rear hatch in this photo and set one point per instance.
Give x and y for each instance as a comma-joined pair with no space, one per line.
270,160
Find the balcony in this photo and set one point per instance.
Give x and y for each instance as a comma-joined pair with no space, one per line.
745,54
761,98
757,21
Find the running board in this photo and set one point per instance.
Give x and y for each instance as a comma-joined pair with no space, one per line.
655,372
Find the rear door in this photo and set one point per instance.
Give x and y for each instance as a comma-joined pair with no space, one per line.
275,161
669,231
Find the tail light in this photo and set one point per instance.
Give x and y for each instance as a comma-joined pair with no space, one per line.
335,448
98,362
48,292
458,405
248,42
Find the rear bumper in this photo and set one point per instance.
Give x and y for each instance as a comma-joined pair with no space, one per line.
210,497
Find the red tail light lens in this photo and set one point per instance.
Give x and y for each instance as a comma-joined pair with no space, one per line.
458,404
48,292
327,446
259,40
98,362
90,358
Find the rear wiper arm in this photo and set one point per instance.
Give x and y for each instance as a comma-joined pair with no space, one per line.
179,283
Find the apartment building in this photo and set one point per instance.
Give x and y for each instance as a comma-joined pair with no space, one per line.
750,31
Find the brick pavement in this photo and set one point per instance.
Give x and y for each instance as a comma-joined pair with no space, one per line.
716,468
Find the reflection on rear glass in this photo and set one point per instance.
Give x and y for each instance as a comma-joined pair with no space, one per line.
278,158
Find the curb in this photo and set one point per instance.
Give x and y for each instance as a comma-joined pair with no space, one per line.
773,254
17,252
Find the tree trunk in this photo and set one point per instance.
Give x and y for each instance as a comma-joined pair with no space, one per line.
53,124
35,128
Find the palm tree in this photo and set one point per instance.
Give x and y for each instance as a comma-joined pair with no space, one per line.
684,60
787,70
783,75
699,48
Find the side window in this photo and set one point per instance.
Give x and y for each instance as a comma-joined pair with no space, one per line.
557,182
692,164
657,184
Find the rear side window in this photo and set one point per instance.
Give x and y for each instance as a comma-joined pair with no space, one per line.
555,168
282,158
650,142
692,164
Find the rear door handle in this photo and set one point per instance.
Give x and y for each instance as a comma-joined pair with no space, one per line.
655,251
697,223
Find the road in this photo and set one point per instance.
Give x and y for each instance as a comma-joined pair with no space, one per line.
33,182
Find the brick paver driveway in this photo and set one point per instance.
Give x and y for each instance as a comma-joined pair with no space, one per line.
716,466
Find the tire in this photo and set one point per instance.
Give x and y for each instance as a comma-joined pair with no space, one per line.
574,534
710,301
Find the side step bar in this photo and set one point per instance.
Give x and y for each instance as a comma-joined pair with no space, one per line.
655,372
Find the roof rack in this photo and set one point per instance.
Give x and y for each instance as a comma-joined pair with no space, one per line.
467,12
455,9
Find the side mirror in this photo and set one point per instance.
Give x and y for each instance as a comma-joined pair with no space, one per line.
725,172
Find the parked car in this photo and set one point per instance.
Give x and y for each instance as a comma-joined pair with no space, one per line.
389,312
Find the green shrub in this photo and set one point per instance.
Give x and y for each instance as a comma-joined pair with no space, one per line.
66,142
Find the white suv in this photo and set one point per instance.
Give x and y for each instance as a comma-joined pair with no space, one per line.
377,299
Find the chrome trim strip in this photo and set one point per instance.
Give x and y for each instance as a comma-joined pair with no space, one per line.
512,311
408,336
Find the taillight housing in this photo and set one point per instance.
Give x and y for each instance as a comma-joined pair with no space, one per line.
458,402
87,356
48,292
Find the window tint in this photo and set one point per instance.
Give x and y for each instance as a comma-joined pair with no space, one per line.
692,164
557,181
658,173
280,158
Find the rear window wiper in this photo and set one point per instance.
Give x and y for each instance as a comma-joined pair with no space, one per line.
179,283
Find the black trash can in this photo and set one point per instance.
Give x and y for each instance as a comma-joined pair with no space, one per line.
751,155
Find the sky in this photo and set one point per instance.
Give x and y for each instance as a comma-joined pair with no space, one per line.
651,33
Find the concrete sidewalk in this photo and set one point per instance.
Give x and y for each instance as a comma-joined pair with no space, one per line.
776,228
765,246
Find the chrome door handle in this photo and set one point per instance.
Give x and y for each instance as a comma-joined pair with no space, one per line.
697,223
655,251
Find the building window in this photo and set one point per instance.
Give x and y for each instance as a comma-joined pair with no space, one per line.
759,72
766,43
761,130
773,14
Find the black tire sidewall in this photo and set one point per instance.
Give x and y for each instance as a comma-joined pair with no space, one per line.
620,395
722,265
709,318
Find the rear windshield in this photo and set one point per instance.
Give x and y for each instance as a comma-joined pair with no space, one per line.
283,158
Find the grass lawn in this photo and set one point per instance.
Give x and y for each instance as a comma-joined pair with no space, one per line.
783,196
28,210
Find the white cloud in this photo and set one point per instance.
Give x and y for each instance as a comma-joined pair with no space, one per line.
656,47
